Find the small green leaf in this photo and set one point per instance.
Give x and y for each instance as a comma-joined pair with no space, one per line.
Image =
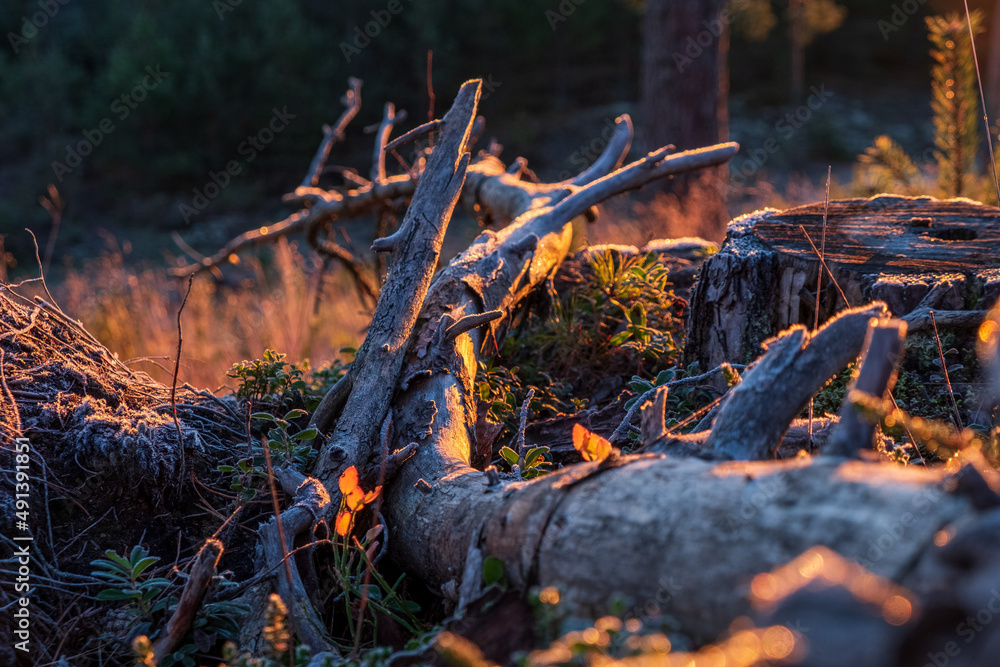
638,314
492,571
116,594
307,434
509,455
664,377
125,565
640,386
619,338
484,391
533,455
294,414
143,565
225,468
263,416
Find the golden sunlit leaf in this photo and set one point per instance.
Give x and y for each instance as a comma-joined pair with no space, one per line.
590,445
371,496
348,480
344,522
355,499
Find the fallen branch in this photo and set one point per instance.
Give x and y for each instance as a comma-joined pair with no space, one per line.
191,600
796,365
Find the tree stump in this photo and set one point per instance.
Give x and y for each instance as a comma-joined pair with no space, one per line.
915,253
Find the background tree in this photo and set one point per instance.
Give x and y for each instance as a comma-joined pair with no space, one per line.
685,89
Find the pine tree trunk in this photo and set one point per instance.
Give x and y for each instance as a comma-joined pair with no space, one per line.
685,97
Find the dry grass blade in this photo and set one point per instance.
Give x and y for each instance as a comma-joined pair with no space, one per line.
982,99
944,372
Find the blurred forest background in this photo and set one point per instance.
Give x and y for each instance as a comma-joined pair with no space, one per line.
557,73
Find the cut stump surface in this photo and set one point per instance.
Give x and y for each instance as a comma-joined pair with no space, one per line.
914,253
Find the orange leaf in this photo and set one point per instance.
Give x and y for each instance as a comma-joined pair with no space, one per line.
355,499
370,497
348,480
591,446
345,521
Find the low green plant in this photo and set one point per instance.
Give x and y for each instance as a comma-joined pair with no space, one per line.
622,318
534,464
351,572
274,380
287,443
682,400
125,575
149,603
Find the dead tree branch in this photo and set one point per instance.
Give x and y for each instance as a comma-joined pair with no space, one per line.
796,365
884,345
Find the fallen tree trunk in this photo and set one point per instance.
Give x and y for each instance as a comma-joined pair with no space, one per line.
643,526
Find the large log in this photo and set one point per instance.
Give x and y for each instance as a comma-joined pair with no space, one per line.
688,535
914,253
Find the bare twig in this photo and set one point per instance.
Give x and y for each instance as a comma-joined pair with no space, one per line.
822,261
177,368
621,433
880,359
385,128
944,372
407,137
331,135
430,90
819,280
521,449
470,322
761,407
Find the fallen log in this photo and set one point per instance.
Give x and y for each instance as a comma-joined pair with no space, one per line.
633,525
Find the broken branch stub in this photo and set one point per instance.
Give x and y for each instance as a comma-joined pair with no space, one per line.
884,344
796,365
